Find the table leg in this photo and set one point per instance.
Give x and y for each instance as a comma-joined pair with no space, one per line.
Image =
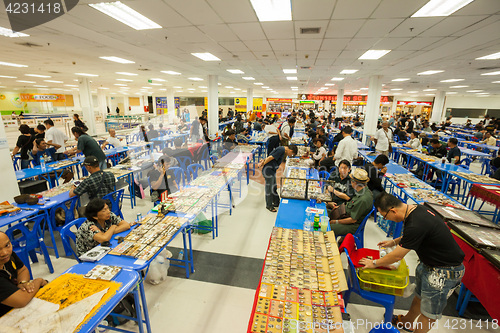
47,221
186,254
138,314
191,259
213,206
144,308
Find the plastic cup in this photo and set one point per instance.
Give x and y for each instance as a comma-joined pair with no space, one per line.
324,223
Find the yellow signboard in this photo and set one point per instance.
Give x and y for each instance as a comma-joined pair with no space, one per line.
257,104
240,104
41,97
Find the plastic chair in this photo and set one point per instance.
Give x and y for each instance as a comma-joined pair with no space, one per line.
213,159
353,283
33,240
184,161
192,171
224,152
465,163
203,155
68,236
359,235
179,175
116,199
68,206
464,297
332,170
108,146
324,174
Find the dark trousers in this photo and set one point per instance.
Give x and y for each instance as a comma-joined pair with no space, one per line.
272,198
274,142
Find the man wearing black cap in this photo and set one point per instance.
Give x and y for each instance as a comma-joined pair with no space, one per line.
98,184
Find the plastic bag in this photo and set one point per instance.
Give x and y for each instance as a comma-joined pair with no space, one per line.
158,269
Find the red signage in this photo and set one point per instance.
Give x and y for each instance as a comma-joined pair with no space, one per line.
347,98
280,100
414,103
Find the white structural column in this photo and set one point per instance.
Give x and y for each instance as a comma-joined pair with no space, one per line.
170,105
340,103
372,106
86,103
437,107
126,105
394,106
213,104
327,105
103,103
249,100
9,183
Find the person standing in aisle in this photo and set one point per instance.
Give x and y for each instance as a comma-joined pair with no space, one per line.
88,146
55,138
286,131
383,139
79,123
274,138
376,170
238,124
440,270
269,166
347,148
25,145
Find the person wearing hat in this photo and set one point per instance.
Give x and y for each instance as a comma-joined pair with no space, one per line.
346,218
97,184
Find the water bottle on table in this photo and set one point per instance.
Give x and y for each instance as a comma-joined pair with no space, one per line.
42,163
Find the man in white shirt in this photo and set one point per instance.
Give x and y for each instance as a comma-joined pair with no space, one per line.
347,148
382,139
286,131
112,140
55,138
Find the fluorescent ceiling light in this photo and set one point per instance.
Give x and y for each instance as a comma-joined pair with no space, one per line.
126,15
177,87
385,91
206,56
365,89
273,10
248,78
8,77
102,88
440,8
429,94
429,90
22,81
374,54
171,72
265,87
430,72
294,87
203,87
231,92
85,74
412,92
349,71
39,86
53,81
452,80
492,73
235,71
118,60
191,89
400,80
459,86
146,88
474,91
396,89
451,92
259,83
162,89
237,89
356,90
291,78
125,80
127,73
329,84
37,75
290,71
229,87
11,64
195,78
120,84
9,33
483,93
495,82
337,78
493,56
156,84
70,85
161,80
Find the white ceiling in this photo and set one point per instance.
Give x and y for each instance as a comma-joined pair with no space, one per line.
230,30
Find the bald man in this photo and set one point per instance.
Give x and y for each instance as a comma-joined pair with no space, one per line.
112,140
16,287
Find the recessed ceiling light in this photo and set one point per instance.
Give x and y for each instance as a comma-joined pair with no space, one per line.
118,60
203,87
206,56
39,86
290,71
127,73
429,94
126,15
290,87
356,90
8,77
474,91
440,8
85,74
235,71
337,78
291,78
493,56
70,85
495,82
195,78
430,72
349,71
37,75
191,89
429,90
3,63
385,91
374,54
23,81
273,10
156,84
228,87
102,88
401,80
459,86
9,33
125,80
492,73
396,89
147,87
232,92
219,84
366,89
270,89
259,83
237,89
451,92
329,84
120,84
161,80
483,93
171,72
248,78
53,81
412,92
452,80
177,87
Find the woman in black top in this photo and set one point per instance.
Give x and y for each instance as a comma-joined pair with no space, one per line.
25,145
162,179
79,122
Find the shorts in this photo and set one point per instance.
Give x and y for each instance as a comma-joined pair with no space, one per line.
434,285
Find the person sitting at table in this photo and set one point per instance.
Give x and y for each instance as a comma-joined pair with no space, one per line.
414,142
162,179
328,163
230,140
243,137
40,149
426,127
438,149
480,132
376,170
112,140
342,190
100,226
97,184
468,123
182,126
257,125
16,287
320,152
152,133
346,218
454,153
177,152
88,146
489,139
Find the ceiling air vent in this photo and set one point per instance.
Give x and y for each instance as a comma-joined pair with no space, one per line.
488,68
143,69
54,72
309,31
303,81
305,67
28,44
414,82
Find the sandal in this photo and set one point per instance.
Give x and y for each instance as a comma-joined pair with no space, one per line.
271,209
399,324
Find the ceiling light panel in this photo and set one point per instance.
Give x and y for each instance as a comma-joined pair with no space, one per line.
337,78
195,78
349,71
272,10
459,86
430,72
126,15
37,75
492,73
171,72
127,73
85,74
8,77
401,80
206,56
248,78
9,33
235,71
291,78
440,8
493,56
452,80
10,64
118,60
374,54
53,81
290,71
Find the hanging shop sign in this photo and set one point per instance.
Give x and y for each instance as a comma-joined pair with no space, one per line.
240,104
280,100
347,98
307,102
41,97
161,105
414,103
257,104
